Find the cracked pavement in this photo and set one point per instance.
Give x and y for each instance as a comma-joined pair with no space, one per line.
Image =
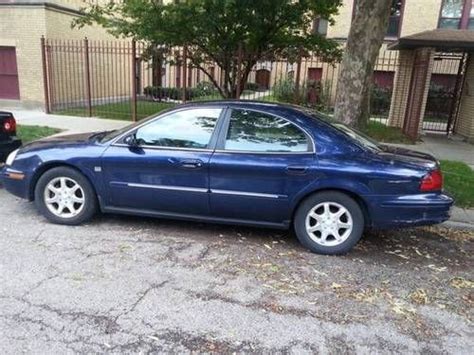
128,284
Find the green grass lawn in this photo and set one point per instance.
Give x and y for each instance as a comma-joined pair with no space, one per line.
386,134
459,182
31,133
119,110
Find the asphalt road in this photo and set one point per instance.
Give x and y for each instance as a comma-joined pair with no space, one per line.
125,284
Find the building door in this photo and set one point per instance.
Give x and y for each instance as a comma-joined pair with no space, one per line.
315,74
314,85
263,79
9,88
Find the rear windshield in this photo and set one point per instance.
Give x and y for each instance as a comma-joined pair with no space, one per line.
355,135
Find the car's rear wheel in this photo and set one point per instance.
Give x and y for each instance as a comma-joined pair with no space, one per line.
64,196
329,222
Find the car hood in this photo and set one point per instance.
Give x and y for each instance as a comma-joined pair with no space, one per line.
80,139
408,156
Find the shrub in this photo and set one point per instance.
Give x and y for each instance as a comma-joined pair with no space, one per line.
251,86
205,88
284,90
172,93
324,103
439,101
380,98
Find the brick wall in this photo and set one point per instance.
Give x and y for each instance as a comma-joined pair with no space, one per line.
420,15
22,28
401,89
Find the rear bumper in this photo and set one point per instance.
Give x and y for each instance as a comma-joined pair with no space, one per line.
409,210
8,147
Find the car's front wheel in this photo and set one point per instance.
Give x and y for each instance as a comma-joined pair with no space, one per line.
329,222
64,196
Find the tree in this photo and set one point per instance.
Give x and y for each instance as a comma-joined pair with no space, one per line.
366,35
218,30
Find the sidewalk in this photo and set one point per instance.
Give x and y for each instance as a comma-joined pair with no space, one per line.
69,124
462,218
445,148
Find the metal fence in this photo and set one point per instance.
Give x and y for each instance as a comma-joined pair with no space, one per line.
444,91
125,80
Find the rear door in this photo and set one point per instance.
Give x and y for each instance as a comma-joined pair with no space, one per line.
169,170
261,162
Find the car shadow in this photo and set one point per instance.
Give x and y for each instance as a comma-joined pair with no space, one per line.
420,245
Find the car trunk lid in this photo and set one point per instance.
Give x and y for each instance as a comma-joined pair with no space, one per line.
408,156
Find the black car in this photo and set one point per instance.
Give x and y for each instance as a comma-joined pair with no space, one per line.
8,138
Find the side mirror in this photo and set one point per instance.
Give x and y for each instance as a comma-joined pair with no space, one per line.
131,140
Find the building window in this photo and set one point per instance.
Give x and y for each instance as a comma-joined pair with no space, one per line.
394,20
456,14
320,26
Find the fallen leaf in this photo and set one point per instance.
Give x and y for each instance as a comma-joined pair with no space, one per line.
419,296
461,282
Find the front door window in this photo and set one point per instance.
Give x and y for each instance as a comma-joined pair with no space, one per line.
183,129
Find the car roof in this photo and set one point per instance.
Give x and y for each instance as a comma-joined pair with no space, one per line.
250,104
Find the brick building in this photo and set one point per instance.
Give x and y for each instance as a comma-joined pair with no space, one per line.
23,22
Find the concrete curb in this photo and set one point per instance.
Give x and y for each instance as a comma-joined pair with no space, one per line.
458,225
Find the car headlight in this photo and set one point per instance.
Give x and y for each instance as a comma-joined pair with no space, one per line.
11,157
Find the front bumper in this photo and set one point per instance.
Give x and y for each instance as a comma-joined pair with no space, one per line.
409,210
14,181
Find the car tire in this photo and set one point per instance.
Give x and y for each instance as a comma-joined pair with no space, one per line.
329,223
65,196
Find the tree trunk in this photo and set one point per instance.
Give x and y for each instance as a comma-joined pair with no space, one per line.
363,45
157,67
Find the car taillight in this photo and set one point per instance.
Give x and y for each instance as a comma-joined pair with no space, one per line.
433,181
9,125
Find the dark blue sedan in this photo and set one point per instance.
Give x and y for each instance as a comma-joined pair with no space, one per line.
235,162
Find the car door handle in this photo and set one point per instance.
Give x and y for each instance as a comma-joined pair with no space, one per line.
296,169
191,163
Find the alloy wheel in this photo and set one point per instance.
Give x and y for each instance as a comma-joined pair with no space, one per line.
329,223
64,197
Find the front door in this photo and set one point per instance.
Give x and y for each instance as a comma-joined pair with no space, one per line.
260,164
168,169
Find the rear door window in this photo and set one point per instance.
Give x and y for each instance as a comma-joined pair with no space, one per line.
253,131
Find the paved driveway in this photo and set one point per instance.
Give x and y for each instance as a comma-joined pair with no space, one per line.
124,284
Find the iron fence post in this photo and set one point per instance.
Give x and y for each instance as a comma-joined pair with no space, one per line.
298,77
134,81
47,107
87,77
239,72
185,78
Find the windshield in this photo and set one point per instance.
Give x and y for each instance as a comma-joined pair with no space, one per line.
362,139
109,135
